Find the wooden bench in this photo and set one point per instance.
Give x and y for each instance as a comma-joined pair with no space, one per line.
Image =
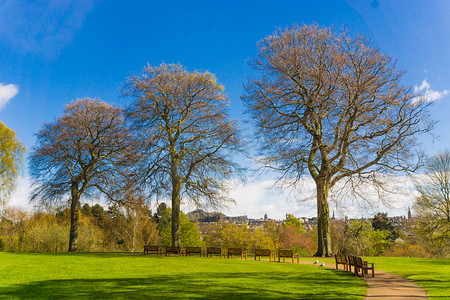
265,252
236,251
364,266
341,260
195,250
289,254
153,249
174,250
213,250
351,262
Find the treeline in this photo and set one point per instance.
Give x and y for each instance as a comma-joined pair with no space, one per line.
379,237
126,228
129,228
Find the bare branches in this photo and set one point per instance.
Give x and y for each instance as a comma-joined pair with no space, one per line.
332,106
434,188
186,138
85,149
182,121
333,103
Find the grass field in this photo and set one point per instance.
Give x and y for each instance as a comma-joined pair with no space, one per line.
431,274
116,275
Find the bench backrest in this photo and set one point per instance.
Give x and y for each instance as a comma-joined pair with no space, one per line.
173,249
341,259
213,250
351,260
358,261
193,249
234,251
151,248
262,252
285,253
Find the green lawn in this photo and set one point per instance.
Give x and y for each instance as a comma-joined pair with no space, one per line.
431,274
103,275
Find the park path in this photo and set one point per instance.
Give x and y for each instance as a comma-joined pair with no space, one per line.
387,286
390,286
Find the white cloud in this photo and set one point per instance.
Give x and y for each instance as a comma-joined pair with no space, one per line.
6,93
427,94
256,198
20,196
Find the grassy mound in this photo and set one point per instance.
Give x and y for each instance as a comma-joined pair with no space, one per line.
119,275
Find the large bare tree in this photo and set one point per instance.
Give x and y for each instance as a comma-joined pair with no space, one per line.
11,155
333,106
83,153
433,204
187,137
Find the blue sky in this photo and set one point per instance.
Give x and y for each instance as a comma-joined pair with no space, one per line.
56,51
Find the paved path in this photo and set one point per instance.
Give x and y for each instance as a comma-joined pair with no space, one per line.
390,286
387,286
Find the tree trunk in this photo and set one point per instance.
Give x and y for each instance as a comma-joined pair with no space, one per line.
74,218
176,215
323,220
176,202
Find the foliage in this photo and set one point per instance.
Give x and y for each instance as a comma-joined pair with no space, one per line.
235,236
83,275
404,249
381,222
290,239
162,216
186,136
332,106
364,240
132,226
260,239
291,220
45,232
433,205
83,153
272,229
272,236
11,155
189,233
96,211
13,226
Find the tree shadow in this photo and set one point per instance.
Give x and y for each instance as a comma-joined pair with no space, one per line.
212,286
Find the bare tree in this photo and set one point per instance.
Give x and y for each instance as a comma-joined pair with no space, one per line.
133,224
332,105
433,204
83,153
187,138
11,155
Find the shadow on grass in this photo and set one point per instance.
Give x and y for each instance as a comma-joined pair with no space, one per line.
205,286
